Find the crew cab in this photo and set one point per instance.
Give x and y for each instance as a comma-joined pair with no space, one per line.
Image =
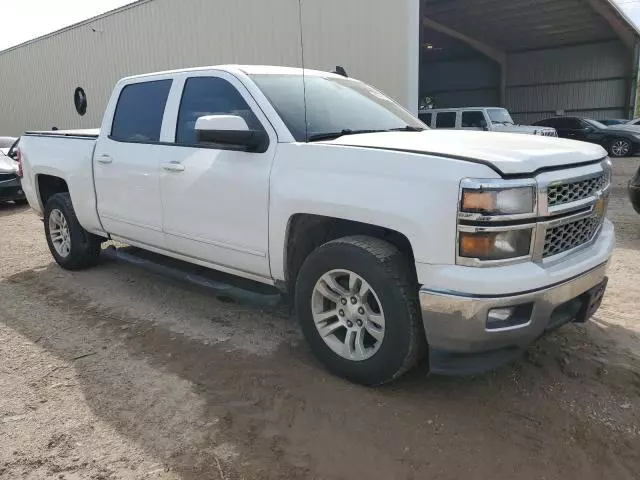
396,241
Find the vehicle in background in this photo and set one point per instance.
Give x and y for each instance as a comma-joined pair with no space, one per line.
620,141
614,121
635,121
395,241
10,185
6,143
634,191
490,119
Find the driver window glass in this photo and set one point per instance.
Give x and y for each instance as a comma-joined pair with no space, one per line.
446,120
209,96
568,124
473,120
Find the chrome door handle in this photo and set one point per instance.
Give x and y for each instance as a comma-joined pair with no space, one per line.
173,167
105,159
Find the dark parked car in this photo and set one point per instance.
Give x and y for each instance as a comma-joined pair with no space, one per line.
634,191
618,140
614,121
10,186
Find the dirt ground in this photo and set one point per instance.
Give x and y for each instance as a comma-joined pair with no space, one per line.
119,373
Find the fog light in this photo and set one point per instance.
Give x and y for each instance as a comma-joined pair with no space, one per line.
499,315
509,317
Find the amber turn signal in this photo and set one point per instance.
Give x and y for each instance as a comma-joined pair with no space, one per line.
476,245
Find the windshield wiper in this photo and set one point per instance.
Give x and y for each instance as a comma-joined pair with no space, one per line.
347,131
408,128
333,135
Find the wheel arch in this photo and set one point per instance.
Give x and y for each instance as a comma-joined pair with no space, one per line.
48,185
306,232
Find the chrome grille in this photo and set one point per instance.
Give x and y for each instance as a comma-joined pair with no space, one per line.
549,133
570,235
574,191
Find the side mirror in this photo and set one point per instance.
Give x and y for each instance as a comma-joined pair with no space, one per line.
231,131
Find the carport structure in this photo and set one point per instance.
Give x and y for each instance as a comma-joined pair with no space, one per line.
538,58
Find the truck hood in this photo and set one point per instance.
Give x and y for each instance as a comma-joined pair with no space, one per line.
505,153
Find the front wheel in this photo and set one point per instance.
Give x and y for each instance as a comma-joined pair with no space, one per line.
357,303
72,247
620,147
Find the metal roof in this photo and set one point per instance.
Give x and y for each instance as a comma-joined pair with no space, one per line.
516,25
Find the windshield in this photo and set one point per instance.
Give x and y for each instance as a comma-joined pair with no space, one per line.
334,105
500,115
595,123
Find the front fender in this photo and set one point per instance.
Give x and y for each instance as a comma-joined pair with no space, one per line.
413,194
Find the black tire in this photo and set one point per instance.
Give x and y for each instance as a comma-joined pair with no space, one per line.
85,247
629,148
21,201
392,277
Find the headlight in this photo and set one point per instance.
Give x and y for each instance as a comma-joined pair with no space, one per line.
495,245
505,201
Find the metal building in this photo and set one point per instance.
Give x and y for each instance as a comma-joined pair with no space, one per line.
537,57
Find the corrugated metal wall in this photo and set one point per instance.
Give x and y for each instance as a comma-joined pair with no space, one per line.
166,34
587,80
471,82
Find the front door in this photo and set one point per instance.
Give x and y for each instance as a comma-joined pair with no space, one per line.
126,164
216,200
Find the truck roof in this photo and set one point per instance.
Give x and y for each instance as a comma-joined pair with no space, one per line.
246,69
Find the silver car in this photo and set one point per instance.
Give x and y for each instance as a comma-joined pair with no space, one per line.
10,186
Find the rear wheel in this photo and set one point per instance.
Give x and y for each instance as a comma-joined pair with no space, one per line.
620,147
72,247
21,201
357,303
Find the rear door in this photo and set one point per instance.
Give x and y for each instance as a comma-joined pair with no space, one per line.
126,163
216,198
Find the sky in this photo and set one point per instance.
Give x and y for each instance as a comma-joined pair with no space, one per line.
23,20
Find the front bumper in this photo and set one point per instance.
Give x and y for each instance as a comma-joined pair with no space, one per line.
461,341
11,190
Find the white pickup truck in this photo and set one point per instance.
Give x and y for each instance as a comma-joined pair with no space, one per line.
396,241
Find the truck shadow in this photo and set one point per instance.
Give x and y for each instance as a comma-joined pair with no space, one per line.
286,418
10,208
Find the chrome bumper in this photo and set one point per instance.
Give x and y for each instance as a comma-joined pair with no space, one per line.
459,335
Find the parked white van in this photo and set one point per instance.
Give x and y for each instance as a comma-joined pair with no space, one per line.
493,119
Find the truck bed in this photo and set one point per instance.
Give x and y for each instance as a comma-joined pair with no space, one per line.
65,154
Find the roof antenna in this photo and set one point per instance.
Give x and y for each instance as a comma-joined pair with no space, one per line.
304,83
340,71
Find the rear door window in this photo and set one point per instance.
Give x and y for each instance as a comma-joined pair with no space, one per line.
446,120
139,113
473,120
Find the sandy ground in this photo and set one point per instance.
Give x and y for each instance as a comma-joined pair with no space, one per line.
117,373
